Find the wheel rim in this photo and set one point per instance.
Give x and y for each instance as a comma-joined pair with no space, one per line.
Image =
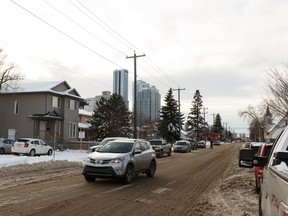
152,169
129,174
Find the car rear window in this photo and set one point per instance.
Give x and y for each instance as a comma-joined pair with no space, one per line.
22,140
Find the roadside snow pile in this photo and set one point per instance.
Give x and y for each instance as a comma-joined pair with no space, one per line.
233,195
32,168
68,155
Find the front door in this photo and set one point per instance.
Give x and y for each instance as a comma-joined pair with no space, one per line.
42,130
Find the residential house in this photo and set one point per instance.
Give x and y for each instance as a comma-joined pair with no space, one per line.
45,110
84,125
276,129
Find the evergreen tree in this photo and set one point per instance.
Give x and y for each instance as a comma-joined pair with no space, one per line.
195,121
168,125
111,118
217,125
268,118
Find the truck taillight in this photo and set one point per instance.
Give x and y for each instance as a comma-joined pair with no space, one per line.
283,210
26,145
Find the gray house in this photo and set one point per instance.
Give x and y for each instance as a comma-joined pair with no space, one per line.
45,110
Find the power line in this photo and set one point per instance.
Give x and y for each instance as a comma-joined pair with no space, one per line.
105,26
76,41
118,36
86,30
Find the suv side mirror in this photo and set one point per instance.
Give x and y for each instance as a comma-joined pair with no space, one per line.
280,157
246,158
137,151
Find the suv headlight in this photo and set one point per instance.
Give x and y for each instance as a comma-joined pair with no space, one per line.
86,159
117,160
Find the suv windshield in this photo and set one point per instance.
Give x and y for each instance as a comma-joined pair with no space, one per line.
155,142
116,147
181,143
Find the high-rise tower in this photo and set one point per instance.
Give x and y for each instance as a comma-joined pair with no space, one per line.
120,84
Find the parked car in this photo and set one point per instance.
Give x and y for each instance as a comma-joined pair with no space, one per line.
201,144
193,143
273,196
5,145
247,145
31,147
103,142
121,158
161,147
217,142
182,146
255,147
263,151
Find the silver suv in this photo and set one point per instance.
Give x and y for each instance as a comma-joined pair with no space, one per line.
121,158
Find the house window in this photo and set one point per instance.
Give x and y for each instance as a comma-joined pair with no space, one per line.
72,104
16,107
55,102
71,130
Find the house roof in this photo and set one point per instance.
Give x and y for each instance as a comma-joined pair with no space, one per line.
56,87
281,124
85,112
52,114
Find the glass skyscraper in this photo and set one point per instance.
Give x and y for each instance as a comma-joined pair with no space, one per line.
120,84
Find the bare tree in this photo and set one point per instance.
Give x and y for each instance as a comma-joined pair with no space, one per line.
259,119
277,83
9,73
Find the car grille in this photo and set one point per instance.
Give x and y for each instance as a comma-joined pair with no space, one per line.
99,161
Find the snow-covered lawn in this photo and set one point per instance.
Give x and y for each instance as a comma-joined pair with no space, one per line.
68,155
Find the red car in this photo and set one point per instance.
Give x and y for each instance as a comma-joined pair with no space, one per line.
264,150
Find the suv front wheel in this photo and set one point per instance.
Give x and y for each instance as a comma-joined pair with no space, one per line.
152,169
129,174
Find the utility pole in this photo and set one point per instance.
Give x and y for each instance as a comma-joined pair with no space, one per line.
225,129
179,109
213,114
204,112
135,93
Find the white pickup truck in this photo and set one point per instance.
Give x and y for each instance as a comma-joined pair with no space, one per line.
273,197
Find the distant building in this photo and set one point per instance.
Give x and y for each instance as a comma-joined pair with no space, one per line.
148,103
120,84
91,102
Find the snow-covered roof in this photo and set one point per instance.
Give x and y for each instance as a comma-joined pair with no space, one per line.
85,112
50,86
84,125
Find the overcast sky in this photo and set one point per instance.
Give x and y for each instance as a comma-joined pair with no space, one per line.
223,48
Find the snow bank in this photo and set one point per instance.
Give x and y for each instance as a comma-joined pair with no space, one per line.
68,155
